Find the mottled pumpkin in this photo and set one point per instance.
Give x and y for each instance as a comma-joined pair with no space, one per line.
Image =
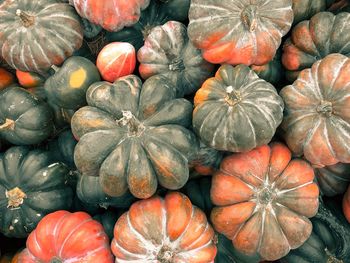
47,32
67,237
236,110
164,230
239,32
264,200
6,78
168,51
317,121
304,9
112,15
314,39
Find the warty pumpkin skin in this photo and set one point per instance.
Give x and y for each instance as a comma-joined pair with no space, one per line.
304,9
143,130
168,51
316,122
239,32
47,32
164,230
67,237
31,186
236,110
314,39
263,201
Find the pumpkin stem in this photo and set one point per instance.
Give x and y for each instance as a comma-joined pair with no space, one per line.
249,17
325,108
165,255
56,260
331,258
7,125
135,127
177,65
146,31
26,19
55,68
233,96
15,197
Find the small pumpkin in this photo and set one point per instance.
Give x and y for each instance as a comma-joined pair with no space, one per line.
305,9
24,119
314,39
29,79
316,122
67,237
164,230
143,130
6,78
239,32
236,110
46,33
31,186
168,51
263,201
346,204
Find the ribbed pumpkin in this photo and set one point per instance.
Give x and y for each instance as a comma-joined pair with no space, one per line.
304,9
6,78
168,51
317,123
314,39
239,32
164,230
236,110
263,201
47,32
31,186
112,15
67,237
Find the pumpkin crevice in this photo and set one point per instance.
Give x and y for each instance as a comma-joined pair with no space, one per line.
15,197
27,20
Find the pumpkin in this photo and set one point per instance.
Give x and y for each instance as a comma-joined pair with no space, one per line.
67,87
29,79
239,32
334,179
304,9
236,110
67,237
108,220
143,130
90,30
23,118
339,6
116,60
31,186
6,78
156,14
263,201
314,39
46,33
168,51
112,15
316,122
346,204
164,230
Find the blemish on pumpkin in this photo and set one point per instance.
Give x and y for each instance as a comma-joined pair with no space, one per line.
77,78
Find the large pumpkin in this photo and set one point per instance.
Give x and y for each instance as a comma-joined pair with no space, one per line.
317,104
263,201
67,237
24,119
239,32
31,186
236,110
304,9
168,51
112,15
47,32
314,39
164,230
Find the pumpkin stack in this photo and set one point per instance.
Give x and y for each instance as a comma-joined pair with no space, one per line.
194,131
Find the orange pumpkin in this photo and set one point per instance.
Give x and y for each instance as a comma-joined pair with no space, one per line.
29,79
346,204
164,230
264,200
6,78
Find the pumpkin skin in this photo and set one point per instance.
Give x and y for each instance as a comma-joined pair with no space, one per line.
67,87
24,119
26,49
6,78
29,79
143,130
316,122
31,186
67,237
304,9
239,32
314,39
112,15
346,204
164,230
108,220
264,200
236,110
168,51
116,60
334,179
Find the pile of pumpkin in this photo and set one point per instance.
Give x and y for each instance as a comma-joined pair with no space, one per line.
174,131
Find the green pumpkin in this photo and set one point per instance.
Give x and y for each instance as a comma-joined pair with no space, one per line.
67,87
133,138
24,119
31,186
108,220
